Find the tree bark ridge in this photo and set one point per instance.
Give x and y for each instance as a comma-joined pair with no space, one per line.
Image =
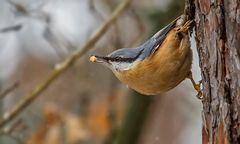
218,41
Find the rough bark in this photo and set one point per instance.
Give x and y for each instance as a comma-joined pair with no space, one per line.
218,41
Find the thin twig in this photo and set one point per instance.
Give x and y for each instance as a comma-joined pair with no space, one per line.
17,108
141,28
20,8
94,9
8,131
16,126
11,28
8,90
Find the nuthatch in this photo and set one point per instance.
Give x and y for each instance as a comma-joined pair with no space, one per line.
158,65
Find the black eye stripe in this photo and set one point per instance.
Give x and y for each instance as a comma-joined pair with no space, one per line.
119,59
123,59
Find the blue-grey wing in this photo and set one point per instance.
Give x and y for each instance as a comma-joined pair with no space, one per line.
154,42
126,53
146,49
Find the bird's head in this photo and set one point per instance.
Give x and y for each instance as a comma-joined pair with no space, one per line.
126,58
120,60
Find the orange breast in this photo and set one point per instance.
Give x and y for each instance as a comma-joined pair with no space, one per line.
164,70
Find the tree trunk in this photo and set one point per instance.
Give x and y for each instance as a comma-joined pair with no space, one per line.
218,42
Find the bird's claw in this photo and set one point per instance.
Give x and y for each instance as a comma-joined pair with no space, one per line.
197,87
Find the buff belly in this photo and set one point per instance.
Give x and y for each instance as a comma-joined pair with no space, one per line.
163,71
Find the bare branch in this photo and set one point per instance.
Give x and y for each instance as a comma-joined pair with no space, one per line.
9,90
8,116
19,7
11,28
95,11
16,126
141,27
8,131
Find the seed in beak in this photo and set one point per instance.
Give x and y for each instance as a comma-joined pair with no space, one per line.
93,59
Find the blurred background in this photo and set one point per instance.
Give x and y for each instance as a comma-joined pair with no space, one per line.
87,104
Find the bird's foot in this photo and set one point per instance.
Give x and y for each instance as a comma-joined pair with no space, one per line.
185,27
196,86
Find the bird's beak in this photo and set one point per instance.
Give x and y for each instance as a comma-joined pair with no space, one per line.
98,59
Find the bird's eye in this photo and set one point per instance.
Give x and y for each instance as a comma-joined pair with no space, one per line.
118,57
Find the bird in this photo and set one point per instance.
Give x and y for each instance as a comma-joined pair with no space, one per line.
159,64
